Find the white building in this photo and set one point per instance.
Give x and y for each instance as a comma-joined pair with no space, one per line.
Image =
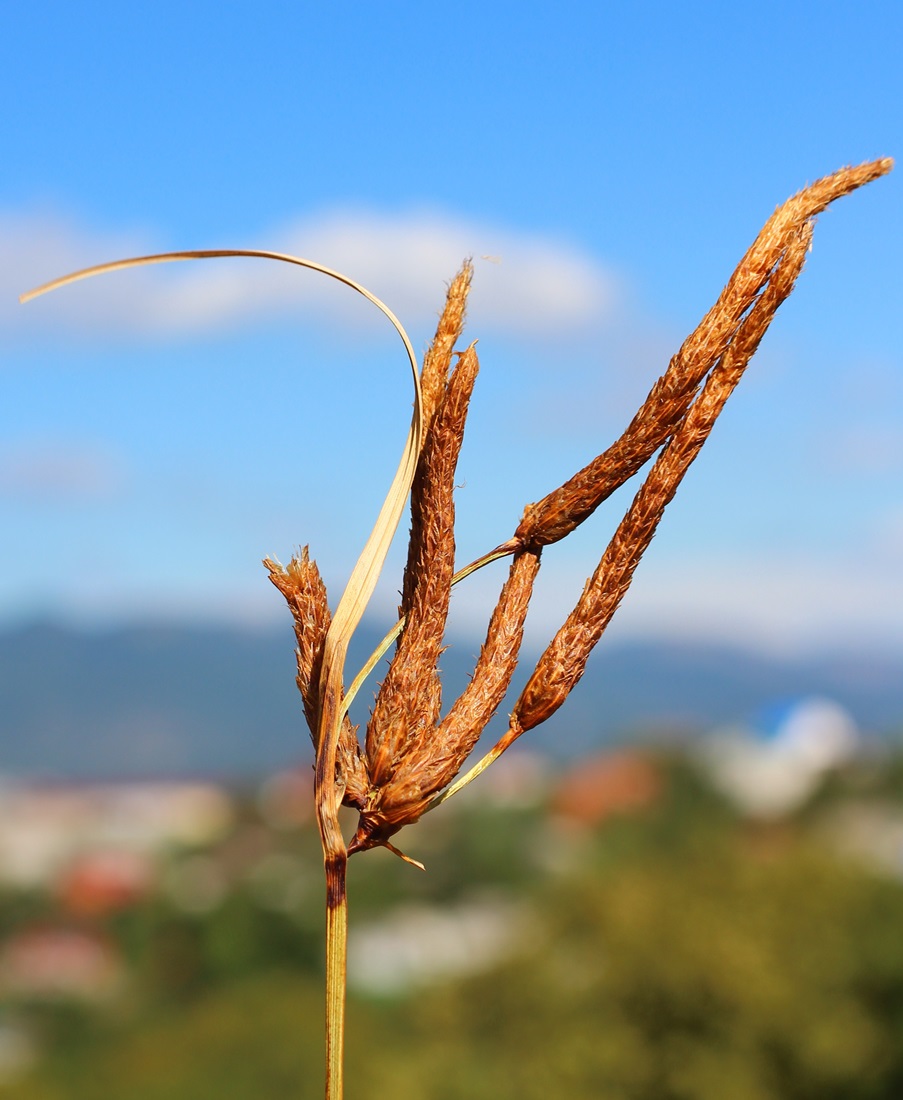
771,764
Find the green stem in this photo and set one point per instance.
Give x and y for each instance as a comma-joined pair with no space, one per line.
336,962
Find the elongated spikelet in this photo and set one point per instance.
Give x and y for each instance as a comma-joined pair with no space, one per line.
433,386
434,756
302,587
409,699
437,361
562,510
460,730
564,661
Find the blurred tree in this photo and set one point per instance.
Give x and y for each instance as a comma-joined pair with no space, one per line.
753,973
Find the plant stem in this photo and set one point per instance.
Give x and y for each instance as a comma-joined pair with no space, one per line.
336,957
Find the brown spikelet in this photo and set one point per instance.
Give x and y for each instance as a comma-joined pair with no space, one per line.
434,756
564,661
409,699
433,386
562,510
475,707
302,586
436,362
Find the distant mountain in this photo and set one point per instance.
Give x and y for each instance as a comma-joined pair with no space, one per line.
221,701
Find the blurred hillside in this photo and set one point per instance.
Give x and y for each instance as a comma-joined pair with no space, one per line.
218,701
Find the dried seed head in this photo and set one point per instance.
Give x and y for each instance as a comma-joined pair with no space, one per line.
433,757
411,756
713,357
302,586
434,381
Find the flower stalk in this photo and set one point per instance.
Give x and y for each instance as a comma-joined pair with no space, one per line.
411,757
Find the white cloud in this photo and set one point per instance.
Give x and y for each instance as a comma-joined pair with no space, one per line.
59,471
528,286
887,536
36,246
779,604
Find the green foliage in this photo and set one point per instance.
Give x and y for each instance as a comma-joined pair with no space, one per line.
749,976
259,1039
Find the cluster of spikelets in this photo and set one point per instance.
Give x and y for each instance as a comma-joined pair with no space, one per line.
412,753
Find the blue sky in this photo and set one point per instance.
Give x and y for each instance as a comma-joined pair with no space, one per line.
605,165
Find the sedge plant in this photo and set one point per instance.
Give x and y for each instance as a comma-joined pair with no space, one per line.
410,759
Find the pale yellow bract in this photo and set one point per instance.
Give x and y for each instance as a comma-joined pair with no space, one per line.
347,617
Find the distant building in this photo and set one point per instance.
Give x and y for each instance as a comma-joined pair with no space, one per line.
286,800
43,829
105,881
59,963
871,831
604,786
519,779
772,763
419,945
